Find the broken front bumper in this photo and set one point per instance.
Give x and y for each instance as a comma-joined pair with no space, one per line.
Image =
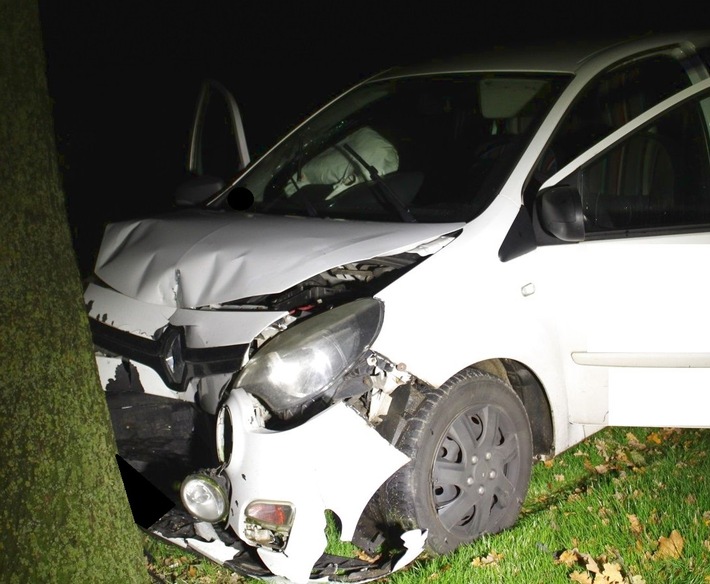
334,461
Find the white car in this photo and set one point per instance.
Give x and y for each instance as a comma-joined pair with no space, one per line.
448,272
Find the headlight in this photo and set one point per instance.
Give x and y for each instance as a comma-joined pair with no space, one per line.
204,498
300,364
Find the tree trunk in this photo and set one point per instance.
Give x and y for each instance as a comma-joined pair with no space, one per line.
64,515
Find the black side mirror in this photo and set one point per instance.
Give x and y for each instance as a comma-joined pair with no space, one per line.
560,213
197,190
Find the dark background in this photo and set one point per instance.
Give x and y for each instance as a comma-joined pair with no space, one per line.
124,76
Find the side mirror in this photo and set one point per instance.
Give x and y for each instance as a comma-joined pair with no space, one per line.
197,190
560,213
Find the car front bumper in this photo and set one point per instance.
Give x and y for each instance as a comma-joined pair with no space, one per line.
335,461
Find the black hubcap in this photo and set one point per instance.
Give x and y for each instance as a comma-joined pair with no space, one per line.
475,470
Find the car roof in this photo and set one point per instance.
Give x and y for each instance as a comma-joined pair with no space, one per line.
570,57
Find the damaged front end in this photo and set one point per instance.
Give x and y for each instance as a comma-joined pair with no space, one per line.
298,437
271,410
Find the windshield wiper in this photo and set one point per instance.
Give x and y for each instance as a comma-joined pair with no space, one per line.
298,195
383,189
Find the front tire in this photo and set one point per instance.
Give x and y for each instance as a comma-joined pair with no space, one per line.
471,450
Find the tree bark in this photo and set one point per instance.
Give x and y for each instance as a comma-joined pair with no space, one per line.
64,514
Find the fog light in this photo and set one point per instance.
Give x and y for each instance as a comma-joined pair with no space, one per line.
268,523
204,498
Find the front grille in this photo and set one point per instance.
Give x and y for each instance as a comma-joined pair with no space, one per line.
170,347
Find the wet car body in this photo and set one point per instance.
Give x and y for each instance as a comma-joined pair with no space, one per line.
443,251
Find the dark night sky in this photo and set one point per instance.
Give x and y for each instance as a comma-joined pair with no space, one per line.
123,76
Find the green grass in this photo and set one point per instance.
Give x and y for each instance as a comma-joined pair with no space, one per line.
624,497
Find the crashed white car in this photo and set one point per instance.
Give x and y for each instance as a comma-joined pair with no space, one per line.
448,272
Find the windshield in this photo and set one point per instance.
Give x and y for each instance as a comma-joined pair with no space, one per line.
426,149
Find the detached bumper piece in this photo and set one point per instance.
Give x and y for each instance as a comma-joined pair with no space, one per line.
218,545
183,530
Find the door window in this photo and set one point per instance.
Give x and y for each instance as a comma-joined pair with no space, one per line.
657,178
610,101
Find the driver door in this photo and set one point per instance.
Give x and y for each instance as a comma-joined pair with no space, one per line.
636,340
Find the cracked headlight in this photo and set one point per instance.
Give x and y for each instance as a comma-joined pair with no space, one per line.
302,363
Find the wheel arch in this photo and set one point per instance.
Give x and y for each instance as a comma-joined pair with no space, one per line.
531,392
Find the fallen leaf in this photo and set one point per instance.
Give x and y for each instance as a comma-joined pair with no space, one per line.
192,571
549,463
638,458
636,527
568,557
622,457
581,577
492,559
602,468
590,563
574,556
670,547
637,579
560,478
600,445
654,437
612,572
634,442
365,557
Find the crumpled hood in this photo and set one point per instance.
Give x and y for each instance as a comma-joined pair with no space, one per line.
195,258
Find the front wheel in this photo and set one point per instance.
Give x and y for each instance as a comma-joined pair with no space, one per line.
471,451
